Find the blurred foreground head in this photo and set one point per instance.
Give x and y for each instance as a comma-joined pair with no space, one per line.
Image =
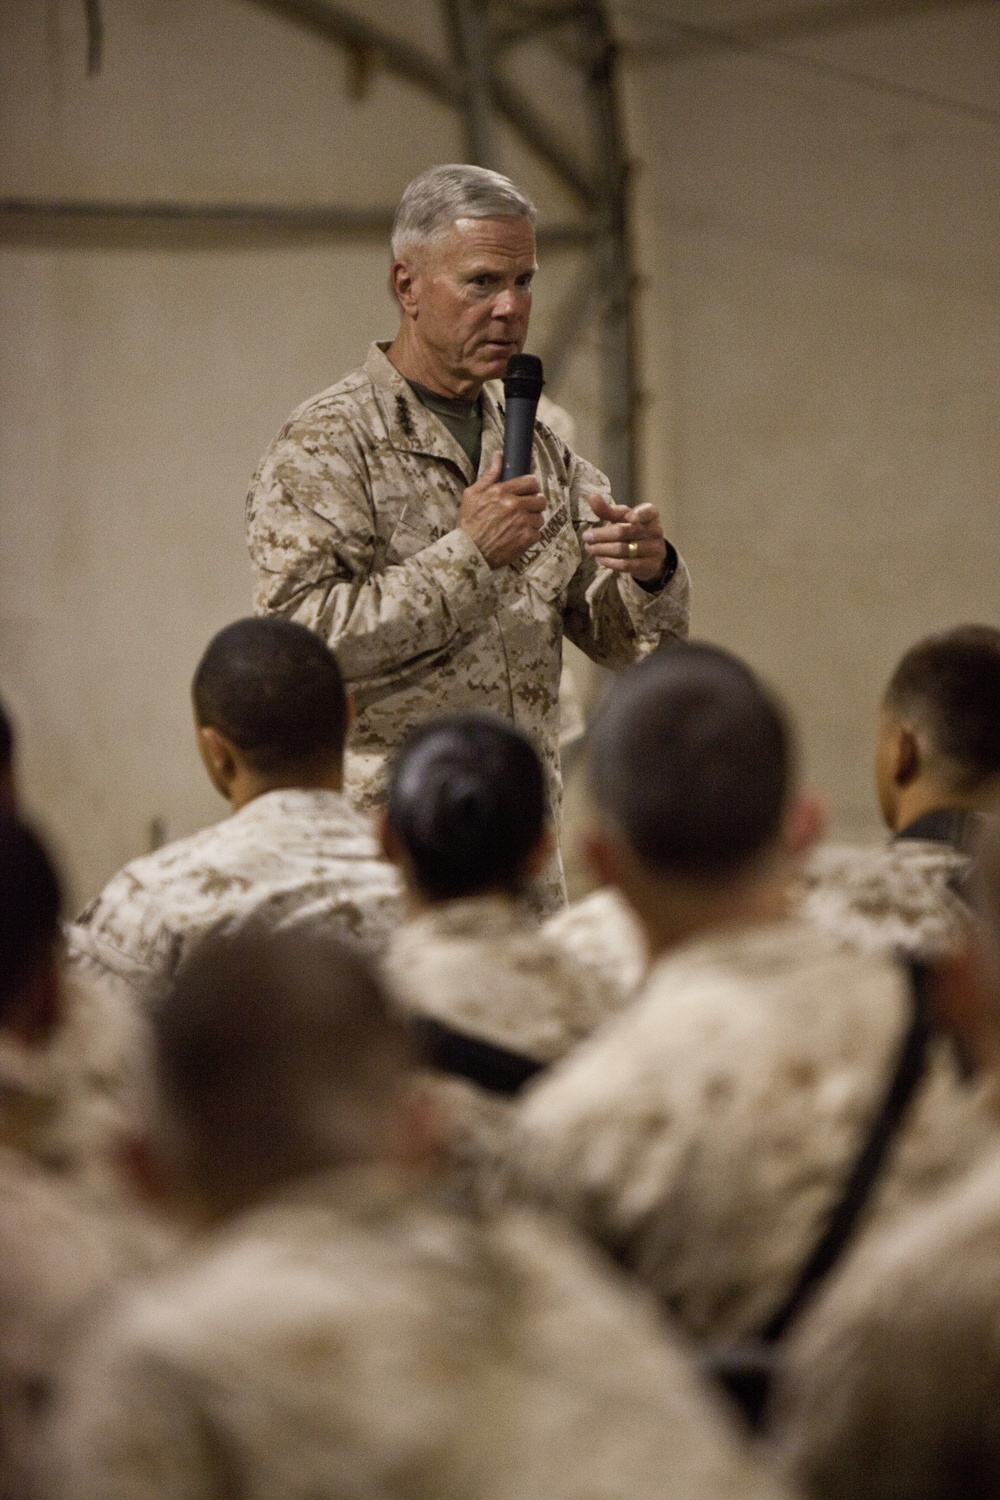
467,811
30,899
939,733
275,1056
692,771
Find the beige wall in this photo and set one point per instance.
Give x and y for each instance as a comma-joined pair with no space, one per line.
822,336
820,330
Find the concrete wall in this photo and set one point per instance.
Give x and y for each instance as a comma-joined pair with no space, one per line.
820,327
143,376
822,335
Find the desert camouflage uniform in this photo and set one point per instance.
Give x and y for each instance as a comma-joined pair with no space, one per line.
352,527
706,1132
604,936
352,1339
64,1240
483,966
891,1381
897,897
290,856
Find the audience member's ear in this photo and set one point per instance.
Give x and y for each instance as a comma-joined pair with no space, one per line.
151,1179
542,853
219,758
142,1168
604,853
420,1137
906,760
806,822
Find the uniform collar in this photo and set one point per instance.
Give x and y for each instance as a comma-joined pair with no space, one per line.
959,827
412,428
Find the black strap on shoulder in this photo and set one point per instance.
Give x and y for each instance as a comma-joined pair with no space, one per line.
492,1067
911,1064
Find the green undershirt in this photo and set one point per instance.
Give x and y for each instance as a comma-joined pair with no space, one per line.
463,419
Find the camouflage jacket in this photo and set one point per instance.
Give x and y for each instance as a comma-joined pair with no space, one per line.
352,528
888,898
483,966
891,1380
289,856
65,1238
603,935
706,1132
351,1337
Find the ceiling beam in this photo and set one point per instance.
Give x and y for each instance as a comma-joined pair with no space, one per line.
689,40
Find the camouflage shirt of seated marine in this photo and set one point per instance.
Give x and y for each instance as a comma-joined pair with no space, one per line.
352,524
291,856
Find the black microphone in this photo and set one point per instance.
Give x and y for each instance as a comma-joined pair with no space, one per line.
522,386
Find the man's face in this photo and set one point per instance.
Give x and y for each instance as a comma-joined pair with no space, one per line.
469,296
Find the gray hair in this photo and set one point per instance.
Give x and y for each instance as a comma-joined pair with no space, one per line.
439,196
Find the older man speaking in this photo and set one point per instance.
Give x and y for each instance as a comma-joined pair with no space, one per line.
378,517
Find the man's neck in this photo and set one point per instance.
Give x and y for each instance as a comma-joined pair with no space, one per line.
248,785
416,362
921,798
675,912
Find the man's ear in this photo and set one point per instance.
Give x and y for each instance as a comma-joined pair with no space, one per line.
218,756
542,853
604,852
806,821
147,1174
402,279
906,757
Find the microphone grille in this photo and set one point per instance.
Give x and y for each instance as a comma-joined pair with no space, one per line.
524,374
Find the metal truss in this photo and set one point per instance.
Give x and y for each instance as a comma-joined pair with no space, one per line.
476,81
483,35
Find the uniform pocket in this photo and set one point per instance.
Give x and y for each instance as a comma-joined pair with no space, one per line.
412,533
549,574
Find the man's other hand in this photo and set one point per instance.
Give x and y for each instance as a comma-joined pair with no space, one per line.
632,541
502,519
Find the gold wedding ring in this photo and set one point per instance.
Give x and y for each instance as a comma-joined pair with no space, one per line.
633,549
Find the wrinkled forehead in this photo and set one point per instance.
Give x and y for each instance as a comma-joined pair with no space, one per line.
508,241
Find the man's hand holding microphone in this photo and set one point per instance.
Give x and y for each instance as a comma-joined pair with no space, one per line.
502,511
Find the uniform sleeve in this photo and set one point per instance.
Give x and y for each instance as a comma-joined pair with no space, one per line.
125,1428
119,940
312,535
613,619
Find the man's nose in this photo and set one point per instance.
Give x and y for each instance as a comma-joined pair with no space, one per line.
506,304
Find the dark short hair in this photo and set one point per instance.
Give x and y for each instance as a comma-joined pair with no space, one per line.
467,799
274,689
30,900
691,757
951,684
276,1054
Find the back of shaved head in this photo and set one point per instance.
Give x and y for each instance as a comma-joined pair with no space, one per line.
275,690
949,684
691,757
